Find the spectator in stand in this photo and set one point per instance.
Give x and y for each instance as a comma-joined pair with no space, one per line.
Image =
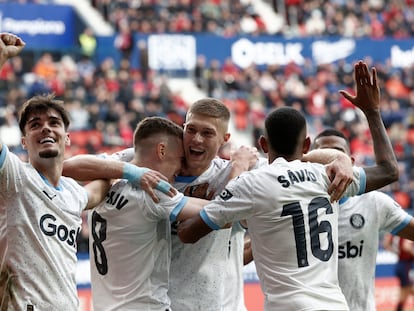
88,43
45,68
124,40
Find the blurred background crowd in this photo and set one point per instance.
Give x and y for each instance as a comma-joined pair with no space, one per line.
107,99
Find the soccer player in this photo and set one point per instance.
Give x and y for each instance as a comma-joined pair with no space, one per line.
41,210
198,271
130,243
293,225
361,219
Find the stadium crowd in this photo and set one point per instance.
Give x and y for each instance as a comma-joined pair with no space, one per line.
107,99
355,18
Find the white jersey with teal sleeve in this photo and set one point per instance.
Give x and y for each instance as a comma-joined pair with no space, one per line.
130,249
198,270
361,219
293,229
39,225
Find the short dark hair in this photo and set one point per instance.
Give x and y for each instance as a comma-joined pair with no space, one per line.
331,132
283,128
152,126
42,103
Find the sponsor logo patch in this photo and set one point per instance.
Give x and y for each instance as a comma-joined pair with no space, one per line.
225,195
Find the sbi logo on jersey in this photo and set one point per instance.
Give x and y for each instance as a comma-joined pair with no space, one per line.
348,250
49,227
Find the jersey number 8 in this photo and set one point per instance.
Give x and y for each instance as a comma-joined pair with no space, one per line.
99,236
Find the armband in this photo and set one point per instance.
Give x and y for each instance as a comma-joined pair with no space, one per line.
133,173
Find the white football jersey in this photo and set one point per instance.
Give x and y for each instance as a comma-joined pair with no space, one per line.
294,231
130,241
361,219
38,228
198,270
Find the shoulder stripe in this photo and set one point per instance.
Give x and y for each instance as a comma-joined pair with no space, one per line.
208,221
362,181
402,225
177,209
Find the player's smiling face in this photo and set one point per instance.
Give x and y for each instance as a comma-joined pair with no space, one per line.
203,137
45,135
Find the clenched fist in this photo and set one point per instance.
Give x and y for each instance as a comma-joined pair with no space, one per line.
10,46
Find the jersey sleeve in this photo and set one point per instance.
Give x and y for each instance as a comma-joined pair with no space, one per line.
358,184
392,217
234,203
11,174
167,207
125,155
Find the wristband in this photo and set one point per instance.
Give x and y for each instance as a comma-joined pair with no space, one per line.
133,173
163,186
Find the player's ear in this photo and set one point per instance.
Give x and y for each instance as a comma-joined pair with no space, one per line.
226,137
263,144
67,140
23,142
306,145
161,150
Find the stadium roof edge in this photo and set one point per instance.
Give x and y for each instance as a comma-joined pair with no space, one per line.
92,18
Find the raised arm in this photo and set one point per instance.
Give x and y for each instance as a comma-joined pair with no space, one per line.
367,99
10,46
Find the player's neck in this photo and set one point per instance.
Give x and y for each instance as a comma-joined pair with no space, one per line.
192,171
51,171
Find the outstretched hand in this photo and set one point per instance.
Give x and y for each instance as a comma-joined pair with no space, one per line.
367,90
10,46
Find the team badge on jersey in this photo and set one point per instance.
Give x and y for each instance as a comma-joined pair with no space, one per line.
357,221
225,195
